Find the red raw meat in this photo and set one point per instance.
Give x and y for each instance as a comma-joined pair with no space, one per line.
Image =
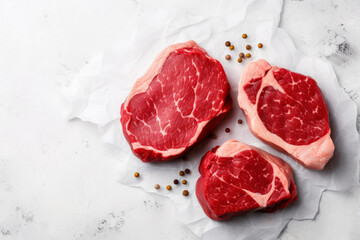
237,179
288,111
180,99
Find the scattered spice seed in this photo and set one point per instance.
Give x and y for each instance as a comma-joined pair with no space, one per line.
239,60
181,173
260,45
227,130
242,55
212,135
184,182
227,43
157,186
136,174
244,35
168,187
239,121
186,193
248,55
248,47
176,181
231,47
184,158
187,171
227,57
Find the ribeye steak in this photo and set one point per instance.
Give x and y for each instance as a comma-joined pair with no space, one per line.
181,98
287,110
237,179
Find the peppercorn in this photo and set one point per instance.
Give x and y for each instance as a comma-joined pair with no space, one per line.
231,47
239,121
184,182
136,174
260,45
239,60
176,181
244,35
212,135
227,43
168,187
157,186
186,193
248,47
227,57
241,55
187,171
227,130
181,173
248,55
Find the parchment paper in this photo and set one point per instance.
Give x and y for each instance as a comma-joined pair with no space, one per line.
100,88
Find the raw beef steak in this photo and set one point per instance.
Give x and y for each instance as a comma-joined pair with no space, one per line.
237,179
287,110
182,97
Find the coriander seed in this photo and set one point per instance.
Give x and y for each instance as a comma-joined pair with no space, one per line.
185,193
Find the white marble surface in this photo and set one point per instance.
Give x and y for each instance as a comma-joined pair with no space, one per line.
58,181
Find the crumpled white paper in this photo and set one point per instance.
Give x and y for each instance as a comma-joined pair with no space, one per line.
100,88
